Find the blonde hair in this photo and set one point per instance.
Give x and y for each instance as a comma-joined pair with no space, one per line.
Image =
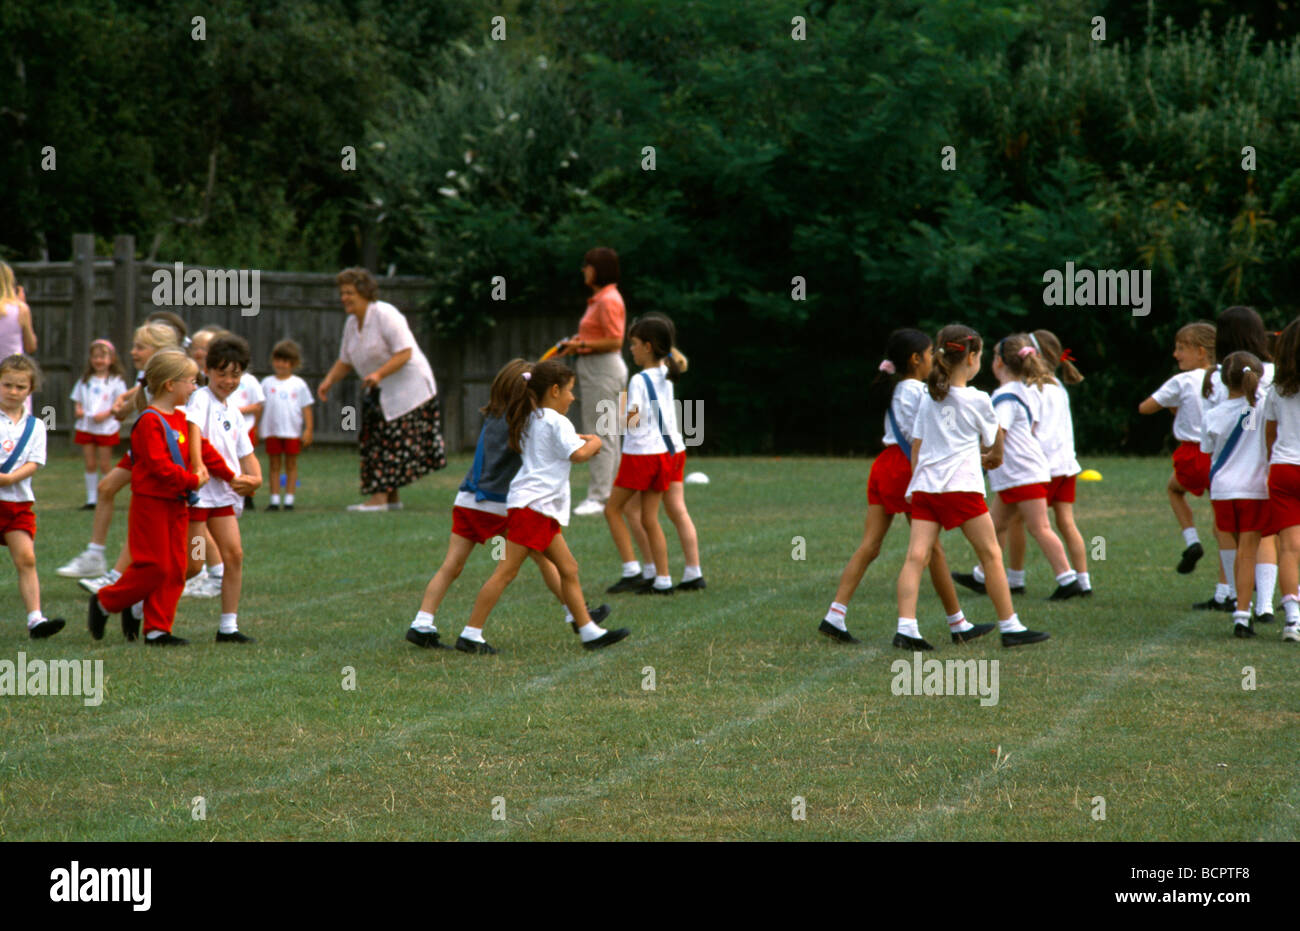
207,335
162,367
157,336
8,289
1024,361
21,363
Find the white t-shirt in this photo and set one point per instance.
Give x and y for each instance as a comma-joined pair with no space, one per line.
904,403
646,438
1183,392
384,334
96,395
248,392
225,429
34,451
1056,431
1219,392
1244,473
285,399
1286,413
1019,411
542,482
951,432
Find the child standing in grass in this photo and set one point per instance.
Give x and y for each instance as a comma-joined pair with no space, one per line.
1281,416
286,421
954,425
22,452
96,429
909,356
479,512
537,505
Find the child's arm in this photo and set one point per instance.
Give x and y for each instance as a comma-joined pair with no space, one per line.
251,478
992,457
194,443
80,411
307,425
149,450
1151,406
26,470
587,449
254,409
123,402
916,448
29,334
215,464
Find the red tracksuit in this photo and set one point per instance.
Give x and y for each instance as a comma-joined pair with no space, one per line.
158,522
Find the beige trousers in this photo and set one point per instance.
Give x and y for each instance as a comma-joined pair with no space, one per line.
601,376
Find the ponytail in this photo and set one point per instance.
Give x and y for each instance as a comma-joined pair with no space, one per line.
1241,371
1022,359
526,393
954,345
1055,357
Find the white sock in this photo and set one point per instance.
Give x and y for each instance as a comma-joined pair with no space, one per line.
1016,578
154,634
137,610
275,499
957,623
229,623
691,573
1291,608
631,569
978,572
1011,625
114,575
95,548
648,571
1241,617
288,499
1228,559
34,618
423,622
473,633
1084,582
835,616
1221,592
218,571
590,631
1190,536
1067,577
92,487
568,615
1265,585
663,581
908,627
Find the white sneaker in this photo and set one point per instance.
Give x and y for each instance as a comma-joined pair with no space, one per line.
367,507
589,507
94,585
211,587
85,565
1291,632
200,587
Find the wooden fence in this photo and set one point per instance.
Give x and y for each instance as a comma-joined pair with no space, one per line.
75,302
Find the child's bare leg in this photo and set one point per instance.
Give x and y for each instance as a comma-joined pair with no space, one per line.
550,575
924,535
291,473
941,579
650,522
1070,535
490,593
617,528
873,533
211,552
1178,501
558,553
109,486
983,537
1227,543
632,514
1288,561
458,550
274,466
1016,542
675,507
224,532
104,459
1034,512
197,552
1244,570
23,553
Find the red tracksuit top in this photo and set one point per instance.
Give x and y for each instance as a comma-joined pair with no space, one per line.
152,471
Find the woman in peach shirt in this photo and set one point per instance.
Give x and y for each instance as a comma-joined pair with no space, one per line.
601,371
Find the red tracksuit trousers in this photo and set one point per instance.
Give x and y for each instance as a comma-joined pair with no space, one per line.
156,533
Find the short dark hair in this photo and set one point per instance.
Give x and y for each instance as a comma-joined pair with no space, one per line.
361,280
288,350
605,262
228,350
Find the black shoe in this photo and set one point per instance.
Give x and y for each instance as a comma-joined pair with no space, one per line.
629,583
651,590
1021,637
1244,631
288,507
1073,590
473,646
1190,556
87,507
694,585
1213,605
969,580
1264,618
249,505
273,507
166,640
607,638
1017,589
46,628
96,618
596,614
830,630
904,642
1086,593
130,624
235,637
979,630
427,639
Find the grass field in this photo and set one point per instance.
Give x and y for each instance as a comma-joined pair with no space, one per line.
1136,698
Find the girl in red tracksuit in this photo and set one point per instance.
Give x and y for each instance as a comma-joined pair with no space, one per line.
160,486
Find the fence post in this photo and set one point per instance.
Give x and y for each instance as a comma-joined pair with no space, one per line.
124,293
81,319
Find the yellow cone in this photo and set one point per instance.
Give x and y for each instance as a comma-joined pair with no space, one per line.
1090,475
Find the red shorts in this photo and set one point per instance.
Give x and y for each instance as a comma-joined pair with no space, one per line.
1024,492
1284,495
252,435
125,462
1242,515
472,524
201,515
950,509
17,515
652,472
678,471
528,528
1061,488
887,483
1192,468
82,438
276,445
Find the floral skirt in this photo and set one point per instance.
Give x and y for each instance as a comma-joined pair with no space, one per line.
394,453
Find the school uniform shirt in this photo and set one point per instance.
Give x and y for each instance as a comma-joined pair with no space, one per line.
153,473
226,430
1056,431
1219,392
906,399
542,482
679,441
248,392
654,420
1019,412
367,347
951,432
1244,471
285,399
1183,391
1285,412
34,451
96,395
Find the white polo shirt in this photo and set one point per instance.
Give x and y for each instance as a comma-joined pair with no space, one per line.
96,394
1183,392
1056,431
951,432
904,404
1285,411
1244,473
285,399
542,482
248,392
226,430
1019,411
34,451
384,334
646,438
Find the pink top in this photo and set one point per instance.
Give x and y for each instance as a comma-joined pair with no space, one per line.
605,316
11,332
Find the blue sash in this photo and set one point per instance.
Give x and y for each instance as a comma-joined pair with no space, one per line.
905,448
173,448
654,401
1233,438
1011,397
20,445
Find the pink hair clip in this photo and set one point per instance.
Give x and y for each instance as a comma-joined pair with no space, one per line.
887,367
1026,351
528,376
